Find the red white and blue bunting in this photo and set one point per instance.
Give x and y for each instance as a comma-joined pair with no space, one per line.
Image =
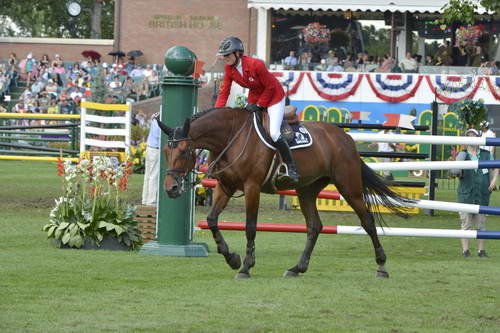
335,86
292,80
494,86
394,88
452,88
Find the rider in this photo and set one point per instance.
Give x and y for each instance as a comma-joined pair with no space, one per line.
265,91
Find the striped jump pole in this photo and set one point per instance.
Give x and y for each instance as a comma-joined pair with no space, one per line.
434,165
356,230
424,204
426,139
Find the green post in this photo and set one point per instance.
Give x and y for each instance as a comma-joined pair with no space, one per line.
175,216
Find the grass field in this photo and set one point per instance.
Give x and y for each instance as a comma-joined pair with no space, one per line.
432,287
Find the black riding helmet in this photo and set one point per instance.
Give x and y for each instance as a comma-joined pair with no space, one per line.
230,45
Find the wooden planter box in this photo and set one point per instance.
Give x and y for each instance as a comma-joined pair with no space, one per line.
146,218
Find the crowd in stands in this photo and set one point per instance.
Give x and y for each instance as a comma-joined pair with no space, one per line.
57,86
341,61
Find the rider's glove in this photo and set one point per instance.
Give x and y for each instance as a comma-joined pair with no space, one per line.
252,107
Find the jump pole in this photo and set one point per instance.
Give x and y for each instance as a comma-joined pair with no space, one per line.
424,204
426,139
356,230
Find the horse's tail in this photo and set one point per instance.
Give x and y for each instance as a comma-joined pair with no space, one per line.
377,192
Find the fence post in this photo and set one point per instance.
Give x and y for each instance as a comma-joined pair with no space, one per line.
175,217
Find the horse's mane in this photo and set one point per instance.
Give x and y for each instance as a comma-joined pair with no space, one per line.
204,112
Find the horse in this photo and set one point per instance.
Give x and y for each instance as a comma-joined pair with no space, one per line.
240,161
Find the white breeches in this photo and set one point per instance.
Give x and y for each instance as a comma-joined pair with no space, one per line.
276,113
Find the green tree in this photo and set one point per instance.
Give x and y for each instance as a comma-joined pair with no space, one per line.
463,10
376,42
98,87
48,18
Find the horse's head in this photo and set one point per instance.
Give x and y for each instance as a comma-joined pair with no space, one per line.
180,157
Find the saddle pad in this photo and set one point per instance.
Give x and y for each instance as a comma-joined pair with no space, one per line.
302,137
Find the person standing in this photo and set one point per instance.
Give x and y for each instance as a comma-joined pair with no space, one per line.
474,187
488,133
151,174
385,147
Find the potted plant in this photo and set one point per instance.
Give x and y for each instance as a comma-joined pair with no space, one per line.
91,212
470,112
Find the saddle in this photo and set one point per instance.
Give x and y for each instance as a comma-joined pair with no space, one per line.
294,132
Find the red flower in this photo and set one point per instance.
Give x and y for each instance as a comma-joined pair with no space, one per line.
60,167
123,184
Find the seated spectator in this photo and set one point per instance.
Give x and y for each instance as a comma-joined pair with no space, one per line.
53,107
128,86
115,84
19,107
291,61
429,61
51,89
386,65
331,60
37,86
305,61
58,60
486,67
408,64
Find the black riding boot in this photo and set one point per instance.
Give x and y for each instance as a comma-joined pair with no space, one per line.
292,175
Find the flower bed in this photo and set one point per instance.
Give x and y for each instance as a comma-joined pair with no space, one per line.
92,207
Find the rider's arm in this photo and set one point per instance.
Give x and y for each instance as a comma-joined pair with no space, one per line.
225,89
268,81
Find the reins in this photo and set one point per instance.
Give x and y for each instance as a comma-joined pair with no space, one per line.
214,162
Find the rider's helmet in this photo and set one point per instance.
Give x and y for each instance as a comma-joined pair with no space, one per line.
230,45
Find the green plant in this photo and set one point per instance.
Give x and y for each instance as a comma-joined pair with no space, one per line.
470,113
138,157
241,100
91,207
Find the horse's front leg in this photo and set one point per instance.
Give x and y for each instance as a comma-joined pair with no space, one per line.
221,198
252,198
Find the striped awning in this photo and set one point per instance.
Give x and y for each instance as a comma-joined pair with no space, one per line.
411,6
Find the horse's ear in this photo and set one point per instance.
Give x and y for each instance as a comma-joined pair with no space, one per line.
165,129
185,129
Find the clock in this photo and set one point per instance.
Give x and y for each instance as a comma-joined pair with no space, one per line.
74,8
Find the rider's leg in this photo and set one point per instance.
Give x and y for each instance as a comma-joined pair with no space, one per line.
276,113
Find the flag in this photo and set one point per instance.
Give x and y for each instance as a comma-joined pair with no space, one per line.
360,115
198,69
399,120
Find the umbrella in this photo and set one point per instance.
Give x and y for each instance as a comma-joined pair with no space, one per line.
91,54
135,53
117,53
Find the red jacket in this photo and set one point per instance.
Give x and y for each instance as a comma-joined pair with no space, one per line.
265,89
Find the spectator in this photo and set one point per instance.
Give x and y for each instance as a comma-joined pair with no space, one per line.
384,147
305,61
386,65
409,64
475,187
150,188
486,132
137,72
153,79
58,60
12,62
45,61
461,58
331,60
291,61
476,57
429,61
485,68
130,65
147,72
51,89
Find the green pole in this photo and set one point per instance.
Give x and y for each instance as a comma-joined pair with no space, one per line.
175,216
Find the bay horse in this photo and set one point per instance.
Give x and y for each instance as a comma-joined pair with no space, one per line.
242,162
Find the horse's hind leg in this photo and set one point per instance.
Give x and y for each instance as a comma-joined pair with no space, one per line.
219,203
353,194
307,198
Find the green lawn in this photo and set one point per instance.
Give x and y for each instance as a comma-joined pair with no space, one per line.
431,289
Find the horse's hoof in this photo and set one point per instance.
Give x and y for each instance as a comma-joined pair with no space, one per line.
383,274
241,275
290,274
234,261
